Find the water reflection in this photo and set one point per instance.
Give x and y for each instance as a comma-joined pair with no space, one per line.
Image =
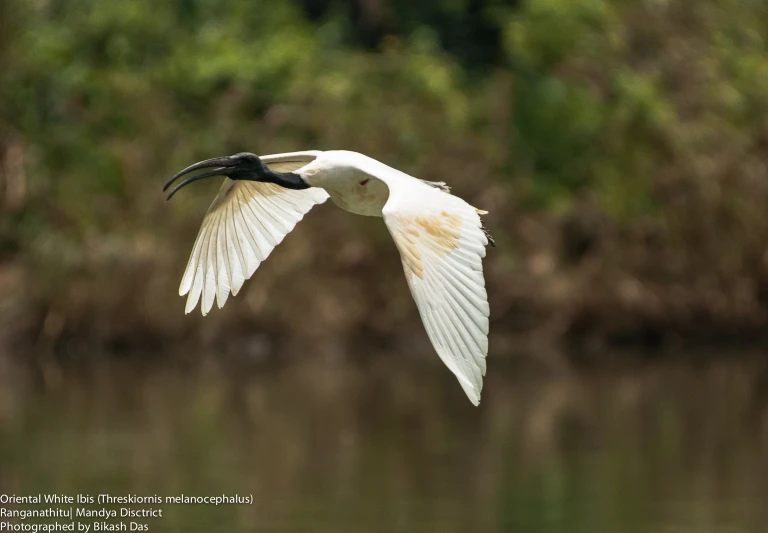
395,446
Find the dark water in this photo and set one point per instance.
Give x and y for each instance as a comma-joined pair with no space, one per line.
396,446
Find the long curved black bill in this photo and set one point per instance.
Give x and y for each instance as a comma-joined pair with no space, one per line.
214,162
215,172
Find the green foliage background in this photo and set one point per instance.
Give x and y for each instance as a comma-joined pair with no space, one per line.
621,148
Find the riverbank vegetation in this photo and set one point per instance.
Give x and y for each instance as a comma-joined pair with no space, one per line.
621,149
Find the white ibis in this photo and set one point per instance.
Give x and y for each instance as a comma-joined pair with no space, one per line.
440,237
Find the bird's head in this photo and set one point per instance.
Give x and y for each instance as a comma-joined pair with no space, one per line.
246,166
242,166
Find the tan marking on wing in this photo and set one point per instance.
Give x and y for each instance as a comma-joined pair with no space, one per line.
445,230
406,242
441,233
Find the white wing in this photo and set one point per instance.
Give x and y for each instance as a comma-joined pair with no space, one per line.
291,161
243,225
441,244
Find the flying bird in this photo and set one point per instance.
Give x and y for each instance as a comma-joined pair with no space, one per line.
440,237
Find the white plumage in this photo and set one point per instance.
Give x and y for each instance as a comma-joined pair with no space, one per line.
439,236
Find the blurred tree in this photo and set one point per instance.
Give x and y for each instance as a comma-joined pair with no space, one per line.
467,29
651,113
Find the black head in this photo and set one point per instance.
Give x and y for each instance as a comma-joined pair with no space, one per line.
242,166
246,165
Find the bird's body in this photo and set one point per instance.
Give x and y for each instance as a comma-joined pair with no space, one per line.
347,178
440,238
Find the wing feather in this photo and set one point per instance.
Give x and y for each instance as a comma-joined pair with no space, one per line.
193,266
259,243
238,256
261,226
197,265
278,215
291,161
222,261
241,228
209,281
441,243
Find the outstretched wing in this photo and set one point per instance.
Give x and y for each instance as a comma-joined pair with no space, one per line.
242,226
441,244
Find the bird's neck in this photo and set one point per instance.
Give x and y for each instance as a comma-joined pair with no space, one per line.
289,180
